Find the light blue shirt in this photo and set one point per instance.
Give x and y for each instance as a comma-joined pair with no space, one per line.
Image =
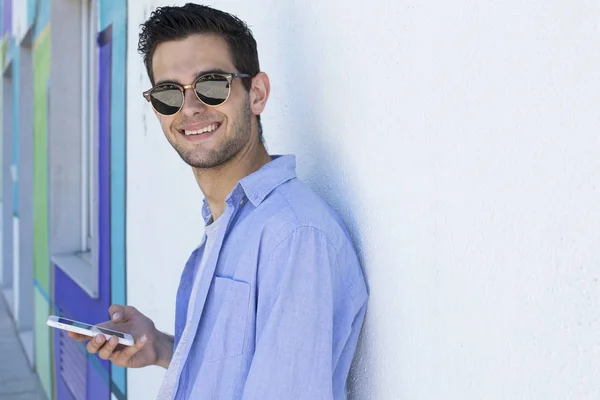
280,301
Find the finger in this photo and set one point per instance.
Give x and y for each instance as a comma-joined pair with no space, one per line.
129,351
107,324
78,337
115,326
95,344
107,350
119,313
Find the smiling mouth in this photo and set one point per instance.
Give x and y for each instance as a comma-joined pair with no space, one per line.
206,129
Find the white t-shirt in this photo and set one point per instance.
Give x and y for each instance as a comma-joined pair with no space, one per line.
169,384
211,229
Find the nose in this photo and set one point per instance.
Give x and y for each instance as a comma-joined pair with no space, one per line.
191,104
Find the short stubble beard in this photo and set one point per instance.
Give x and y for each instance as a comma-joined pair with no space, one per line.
240,135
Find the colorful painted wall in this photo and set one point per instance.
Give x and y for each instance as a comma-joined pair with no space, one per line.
64,368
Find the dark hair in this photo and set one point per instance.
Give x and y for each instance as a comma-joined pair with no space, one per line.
176,23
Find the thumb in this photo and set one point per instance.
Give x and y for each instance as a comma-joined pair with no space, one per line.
119,313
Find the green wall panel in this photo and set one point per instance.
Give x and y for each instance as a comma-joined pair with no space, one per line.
43,348
41,59
41,258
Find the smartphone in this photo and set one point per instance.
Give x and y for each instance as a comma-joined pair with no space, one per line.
88,330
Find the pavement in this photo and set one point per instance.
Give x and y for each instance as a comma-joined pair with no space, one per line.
17,380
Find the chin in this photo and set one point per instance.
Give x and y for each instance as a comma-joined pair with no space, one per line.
203,162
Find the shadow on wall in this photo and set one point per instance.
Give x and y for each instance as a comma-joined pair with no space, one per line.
319,164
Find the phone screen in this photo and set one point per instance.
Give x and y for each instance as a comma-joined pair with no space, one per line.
75,323
90,327
110,332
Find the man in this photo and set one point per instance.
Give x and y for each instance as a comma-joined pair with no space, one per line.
271,304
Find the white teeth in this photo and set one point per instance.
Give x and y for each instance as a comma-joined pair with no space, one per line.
209,128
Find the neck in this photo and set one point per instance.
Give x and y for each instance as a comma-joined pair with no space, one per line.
216,183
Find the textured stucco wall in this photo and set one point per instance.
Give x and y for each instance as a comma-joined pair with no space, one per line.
163,209
460,143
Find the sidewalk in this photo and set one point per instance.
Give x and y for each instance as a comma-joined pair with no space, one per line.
17,381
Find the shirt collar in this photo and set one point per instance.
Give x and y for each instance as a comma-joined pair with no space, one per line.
259,184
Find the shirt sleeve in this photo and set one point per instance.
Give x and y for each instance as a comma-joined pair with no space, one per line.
298,302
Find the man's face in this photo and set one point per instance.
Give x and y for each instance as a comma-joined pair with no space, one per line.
227,128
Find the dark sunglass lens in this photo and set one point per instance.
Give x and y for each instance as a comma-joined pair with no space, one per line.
212,89
166,99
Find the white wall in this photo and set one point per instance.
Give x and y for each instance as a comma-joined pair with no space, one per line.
19,19
164,220
460,143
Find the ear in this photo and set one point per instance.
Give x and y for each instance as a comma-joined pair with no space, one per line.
259,93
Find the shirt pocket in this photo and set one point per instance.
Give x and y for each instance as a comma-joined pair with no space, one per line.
229,329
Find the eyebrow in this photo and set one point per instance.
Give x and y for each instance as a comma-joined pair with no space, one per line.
199,74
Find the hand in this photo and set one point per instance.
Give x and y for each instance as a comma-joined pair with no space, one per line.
151,347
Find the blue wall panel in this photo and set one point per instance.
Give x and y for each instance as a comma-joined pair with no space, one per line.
16,77
113,16
43,17
31,9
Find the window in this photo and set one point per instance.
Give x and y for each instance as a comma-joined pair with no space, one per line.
73,141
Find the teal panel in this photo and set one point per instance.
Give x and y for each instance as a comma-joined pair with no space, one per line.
118,145
115,13
31,7
112,12
43,17
105,14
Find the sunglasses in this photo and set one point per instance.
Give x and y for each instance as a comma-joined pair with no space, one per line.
212,89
